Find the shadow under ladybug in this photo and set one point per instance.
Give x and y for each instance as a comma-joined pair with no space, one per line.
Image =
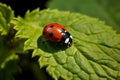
55,37
49,46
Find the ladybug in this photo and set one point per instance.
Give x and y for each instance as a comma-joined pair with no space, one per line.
57,33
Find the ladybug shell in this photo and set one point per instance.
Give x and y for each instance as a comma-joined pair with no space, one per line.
53,32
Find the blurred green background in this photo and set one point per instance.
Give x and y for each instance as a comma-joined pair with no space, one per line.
105,10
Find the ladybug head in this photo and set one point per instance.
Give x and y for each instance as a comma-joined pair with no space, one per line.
66,39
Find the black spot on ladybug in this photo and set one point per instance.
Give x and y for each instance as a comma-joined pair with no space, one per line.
51,34
51,26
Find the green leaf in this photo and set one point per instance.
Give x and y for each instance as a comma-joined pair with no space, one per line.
106,10
94,54
8,45
6,14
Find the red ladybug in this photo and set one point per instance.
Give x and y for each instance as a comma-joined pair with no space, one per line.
57,33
